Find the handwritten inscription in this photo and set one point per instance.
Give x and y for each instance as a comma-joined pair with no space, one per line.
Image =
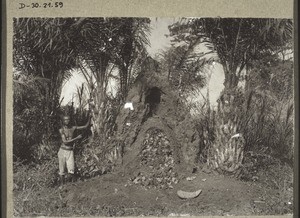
41,5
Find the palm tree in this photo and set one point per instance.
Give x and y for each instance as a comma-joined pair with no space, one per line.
43,55
131,49
107,46
43,48
237,41
185,66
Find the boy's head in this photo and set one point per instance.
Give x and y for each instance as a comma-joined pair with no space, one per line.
66,120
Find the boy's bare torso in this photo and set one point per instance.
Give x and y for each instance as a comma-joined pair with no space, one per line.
68,133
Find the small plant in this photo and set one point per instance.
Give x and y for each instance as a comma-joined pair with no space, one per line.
98,157
226,150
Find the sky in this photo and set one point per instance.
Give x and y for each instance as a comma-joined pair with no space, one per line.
157,39
158,42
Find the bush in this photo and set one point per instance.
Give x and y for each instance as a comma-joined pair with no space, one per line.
35,122
265,123
98,157
268,115
269,126
35,176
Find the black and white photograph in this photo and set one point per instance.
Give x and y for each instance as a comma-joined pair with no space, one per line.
153,116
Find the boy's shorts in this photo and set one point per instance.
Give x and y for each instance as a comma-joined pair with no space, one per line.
66,161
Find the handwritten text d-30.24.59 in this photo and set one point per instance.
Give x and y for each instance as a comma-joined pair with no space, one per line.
41,5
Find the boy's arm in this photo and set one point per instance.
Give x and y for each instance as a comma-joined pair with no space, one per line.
85,126
65,141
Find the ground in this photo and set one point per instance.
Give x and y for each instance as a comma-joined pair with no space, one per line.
112,195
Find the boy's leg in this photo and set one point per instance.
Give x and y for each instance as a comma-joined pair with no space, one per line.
71,166
62,180
62,166
71,177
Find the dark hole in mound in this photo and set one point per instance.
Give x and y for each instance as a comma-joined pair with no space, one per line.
153,98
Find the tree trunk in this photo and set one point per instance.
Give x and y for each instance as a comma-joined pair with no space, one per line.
124,82
231,81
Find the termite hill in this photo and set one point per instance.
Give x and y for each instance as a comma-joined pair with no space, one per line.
158,134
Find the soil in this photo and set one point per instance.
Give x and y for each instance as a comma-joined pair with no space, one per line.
112,195
219,196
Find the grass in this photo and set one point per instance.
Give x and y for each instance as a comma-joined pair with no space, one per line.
277,179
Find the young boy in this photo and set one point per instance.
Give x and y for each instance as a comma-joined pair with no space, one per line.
66,154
